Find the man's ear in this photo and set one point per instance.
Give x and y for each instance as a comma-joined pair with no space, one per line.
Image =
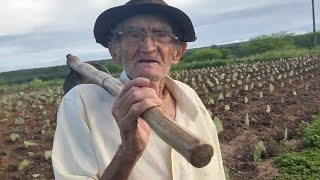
180,50
114,50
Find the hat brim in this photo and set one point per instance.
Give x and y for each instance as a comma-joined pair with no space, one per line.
111,17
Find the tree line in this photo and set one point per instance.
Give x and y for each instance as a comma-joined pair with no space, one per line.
257,45
281,41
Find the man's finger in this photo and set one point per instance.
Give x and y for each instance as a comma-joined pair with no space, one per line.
139,82
135,96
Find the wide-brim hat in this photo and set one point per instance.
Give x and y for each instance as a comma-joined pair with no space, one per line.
113,16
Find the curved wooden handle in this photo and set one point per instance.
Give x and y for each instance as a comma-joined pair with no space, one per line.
195,150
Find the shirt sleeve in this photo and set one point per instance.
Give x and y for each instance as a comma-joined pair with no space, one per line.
73,155
215,140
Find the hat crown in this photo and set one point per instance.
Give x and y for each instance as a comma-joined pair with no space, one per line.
131,2
107,20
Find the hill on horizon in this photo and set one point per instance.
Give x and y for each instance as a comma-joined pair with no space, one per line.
303,41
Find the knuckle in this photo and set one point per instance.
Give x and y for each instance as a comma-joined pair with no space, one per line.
135,94
135,110
148,102
154,91
132,89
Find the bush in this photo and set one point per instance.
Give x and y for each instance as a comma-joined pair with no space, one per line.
113,68
199,64
35,83
204,54
265,43
303,165
312,133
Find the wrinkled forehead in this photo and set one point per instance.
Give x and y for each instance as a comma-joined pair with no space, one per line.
147,22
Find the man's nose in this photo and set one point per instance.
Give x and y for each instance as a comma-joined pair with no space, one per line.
148,44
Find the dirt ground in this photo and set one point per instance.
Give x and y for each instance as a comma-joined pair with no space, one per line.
237,140
287,111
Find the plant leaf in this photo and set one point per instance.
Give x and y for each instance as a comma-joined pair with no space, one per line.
271,88
246,100
218,124
19,121
221,97
23,164
261,94
226,107
47,155
14,136
210,101
29,143
260,148
247,120
285,134
268,109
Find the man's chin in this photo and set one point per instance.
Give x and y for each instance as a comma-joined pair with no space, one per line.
151,77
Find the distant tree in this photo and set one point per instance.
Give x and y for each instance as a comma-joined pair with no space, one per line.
214,46
186,55
305,40
264,43
204,55
227,54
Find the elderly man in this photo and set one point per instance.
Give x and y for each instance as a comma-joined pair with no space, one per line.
102,137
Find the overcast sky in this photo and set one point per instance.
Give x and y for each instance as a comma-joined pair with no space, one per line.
39,33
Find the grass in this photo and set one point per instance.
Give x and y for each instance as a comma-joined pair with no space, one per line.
304,164
268,56
32,85
60,72
300,165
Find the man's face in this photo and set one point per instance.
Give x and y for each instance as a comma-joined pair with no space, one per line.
147,58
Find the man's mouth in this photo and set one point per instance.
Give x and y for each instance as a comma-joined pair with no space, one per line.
148,61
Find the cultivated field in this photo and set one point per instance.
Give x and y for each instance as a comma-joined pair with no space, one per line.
259,109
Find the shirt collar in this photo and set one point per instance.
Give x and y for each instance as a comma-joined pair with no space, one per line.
124,77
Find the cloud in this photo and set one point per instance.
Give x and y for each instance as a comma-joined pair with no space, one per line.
244,24
46,49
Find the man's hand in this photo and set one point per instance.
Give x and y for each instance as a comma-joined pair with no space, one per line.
136,97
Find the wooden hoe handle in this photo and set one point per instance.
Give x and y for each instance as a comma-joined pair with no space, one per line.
194,149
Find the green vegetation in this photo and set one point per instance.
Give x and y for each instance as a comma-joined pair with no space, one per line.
312,133
34,84
260,48
265,43
204,54
267,56
300,165
24,76
305,164
305,40
56,73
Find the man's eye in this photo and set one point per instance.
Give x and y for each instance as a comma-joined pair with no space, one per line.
161,34
135,34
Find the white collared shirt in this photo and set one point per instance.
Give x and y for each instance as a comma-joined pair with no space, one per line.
87,137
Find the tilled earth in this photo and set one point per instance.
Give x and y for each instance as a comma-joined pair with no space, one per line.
238,141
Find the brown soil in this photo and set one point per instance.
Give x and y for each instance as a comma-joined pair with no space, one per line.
237,141
12,153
